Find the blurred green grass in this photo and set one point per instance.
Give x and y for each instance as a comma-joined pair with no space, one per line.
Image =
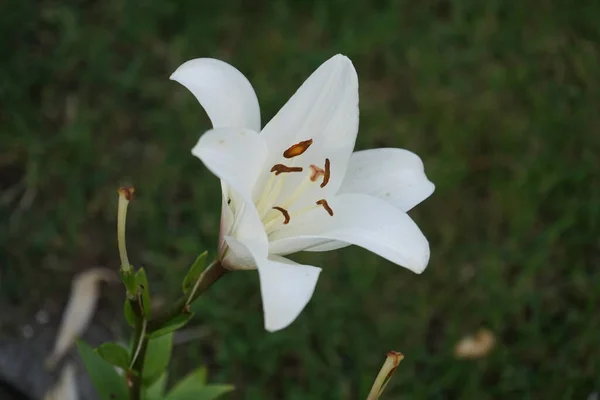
500,99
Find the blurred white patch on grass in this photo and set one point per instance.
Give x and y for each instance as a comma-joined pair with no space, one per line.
66,387
85,291
475,346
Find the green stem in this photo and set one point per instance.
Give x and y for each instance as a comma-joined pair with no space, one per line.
209,276
140,345
135,388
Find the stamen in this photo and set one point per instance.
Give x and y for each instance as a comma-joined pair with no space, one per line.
280,168
317,172
323,203
327,173
297,149
286,214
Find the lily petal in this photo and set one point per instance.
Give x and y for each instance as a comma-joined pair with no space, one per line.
361,220
394,175
285,286
324,109
234,155
328,246
223,91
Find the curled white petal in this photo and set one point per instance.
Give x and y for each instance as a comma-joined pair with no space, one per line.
223,91
236,156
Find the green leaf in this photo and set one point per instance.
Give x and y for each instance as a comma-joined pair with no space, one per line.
114,354
193,387
129,314
156,391
108,383
128,279
194,272
142,281
172,325
157,358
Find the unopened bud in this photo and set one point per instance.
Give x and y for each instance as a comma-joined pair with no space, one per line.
385,374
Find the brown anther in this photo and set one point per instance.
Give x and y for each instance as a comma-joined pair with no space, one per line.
127,192
280,168
297,149
327,173
323,203
286,214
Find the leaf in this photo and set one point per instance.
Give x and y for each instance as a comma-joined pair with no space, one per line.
157,358
142,282
193,387
106,380
128,312
172,325
79,311
156,391
194,272
114,354
475,346
128,278
66,387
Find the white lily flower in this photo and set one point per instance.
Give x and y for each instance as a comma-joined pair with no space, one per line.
297,185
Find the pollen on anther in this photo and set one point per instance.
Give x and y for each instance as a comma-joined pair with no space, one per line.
286,214
318,171
280,168
327,173
297,149
323,203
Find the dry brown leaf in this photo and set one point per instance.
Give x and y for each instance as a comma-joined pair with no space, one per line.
66,387
475,346
85,291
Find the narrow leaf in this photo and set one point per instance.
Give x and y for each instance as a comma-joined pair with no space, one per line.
106,380
128,278
172,325
157,358
193,387
128,312
142,282
194,272
80,309
114,354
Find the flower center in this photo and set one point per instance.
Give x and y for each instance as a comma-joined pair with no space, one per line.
279,203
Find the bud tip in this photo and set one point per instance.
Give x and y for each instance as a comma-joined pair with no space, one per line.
126,192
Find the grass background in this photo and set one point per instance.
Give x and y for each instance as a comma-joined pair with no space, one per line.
500,99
